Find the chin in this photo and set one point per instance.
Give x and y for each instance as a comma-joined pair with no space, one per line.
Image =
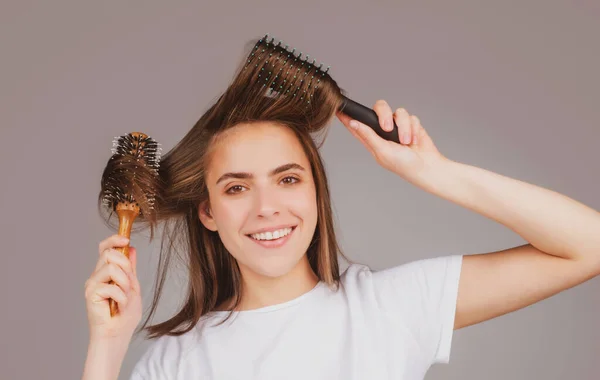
273,267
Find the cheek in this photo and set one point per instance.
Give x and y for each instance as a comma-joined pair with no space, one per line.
230,216
305,205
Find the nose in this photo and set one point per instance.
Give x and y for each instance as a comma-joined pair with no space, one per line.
267,203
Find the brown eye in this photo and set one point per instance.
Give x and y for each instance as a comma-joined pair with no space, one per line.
290,180
235,189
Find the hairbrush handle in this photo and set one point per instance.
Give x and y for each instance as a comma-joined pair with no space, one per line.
368,117
114,309
127,213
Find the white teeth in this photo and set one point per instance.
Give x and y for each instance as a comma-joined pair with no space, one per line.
272,235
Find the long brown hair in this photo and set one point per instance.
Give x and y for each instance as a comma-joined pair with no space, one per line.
214,276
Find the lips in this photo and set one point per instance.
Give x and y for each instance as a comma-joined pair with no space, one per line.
275,243
271,229
272,235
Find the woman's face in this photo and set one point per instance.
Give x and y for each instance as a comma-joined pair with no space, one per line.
262,198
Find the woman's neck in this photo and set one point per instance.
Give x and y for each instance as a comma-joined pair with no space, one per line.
261,291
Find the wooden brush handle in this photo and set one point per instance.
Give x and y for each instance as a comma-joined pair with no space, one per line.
112,304
127,213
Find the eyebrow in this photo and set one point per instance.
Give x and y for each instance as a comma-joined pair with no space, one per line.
245,175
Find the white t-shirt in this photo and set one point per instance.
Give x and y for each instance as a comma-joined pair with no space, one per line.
389,324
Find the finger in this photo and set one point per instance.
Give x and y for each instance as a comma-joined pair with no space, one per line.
422,134
416,128
375,144
133,259
361,139
111,272
402,119
104,292
111,242
135,284
345,119
115,257
385,115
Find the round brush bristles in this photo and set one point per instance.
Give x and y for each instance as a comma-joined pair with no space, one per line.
131,174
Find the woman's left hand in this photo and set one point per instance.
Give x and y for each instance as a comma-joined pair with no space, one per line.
416,152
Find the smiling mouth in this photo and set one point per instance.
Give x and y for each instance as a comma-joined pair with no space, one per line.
272,235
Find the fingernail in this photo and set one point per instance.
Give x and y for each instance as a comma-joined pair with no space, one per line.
406,138
388,125
354,124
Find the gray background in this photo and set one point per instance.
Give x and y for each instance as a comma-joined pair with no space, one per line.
509,86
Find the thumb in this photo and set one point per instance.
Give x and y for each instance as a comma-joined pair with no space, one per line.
368,136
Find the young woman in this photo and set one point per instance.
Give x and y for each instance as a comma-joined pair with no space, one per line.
248,195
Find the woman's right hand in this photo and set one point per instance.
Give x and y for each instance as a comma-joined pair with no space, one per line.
115,266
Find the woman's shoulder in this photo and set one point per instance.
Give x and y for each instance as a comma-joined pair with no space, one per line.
162,356
363,269
158,359
420,270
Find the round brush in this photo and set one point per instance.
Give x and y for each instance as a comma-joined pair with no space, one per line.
130,183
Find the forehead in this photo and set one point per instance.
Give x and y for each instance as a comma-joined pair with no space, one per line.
257,147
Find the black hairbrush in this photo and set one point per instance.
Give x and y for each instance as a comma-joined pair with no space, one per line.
300,77
130,183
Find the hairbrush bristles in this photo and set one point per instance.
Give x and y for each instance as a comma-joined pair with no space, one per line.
298,77
274,71
283,73
130,173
